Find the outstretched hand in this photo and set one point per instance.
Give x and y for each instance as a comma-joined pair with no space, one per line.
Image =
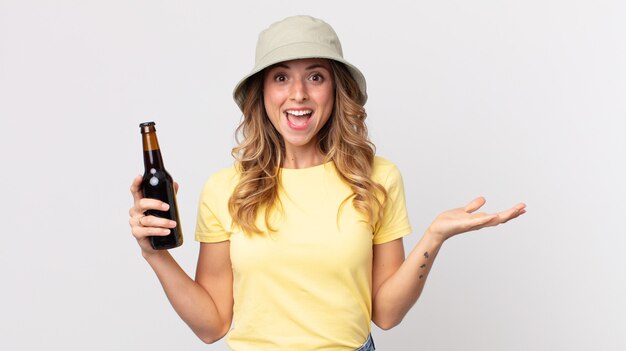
465,219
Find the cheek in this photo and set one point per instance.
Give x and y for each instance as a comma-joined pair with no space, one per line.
273,112
330,95
270,106
329,101
323,96
273,100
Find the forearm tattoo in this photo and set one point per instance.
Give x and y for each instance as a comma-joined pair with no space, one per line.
424,265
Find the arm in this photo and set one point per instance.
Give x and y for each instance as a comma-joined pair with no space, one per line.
205,303
403,279
397,283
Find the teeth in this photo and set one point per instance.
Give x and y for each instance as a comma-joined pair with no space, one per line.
300,112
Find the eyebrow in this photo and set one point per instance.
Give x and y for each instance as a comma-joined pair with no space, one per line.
308,68
316,65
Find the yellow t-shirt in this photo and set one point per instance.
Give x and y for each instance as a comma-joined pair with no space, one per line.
306,286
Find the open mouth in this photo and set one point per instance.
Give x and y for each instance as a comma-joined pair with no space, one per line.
298,119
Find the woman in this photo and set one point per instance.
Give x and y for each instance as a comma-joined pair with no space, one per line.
301,241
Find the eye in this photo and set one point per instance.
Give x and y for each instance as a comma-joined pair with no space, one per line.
280,77
317,78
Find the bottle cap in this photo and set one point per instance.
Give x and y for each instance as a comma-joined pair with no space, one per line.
146,127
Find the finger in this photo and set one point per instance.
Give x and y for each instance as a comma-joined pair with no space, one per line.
515,215
134,212
475,204
152,204
142,232
482,221
131,221
511,213
176,187
135,188
135,220
152,221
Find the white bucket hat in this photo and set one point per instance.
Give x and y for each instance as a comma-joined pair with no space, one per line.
297,37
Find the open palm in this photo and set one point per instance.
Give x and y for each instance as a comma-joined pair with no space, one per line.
465,219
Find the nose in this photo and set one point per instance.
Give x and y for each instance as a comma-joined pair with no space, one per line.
298,91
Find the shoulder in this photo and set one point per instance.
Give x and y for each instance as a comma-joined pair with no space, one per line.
222,181
385,172
225,175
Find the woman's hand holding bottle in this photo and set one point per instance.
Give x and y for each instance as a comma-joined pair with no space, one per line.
145,226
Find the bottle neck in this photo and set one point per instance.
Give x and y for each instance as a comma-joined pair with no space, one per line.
151,151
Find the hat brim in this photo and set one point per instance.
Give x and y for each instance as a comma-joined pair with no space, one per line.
295,51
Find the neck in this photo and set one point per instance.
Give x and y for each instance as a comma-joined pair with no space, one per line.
296,158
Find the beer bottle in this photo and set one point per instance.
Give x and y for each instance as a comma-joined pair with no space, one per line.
157,183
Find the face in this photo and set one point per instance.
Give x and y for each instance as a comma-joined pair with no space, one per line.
299,97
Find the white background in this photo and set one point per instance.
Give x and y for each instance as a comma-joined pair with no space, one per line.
513,100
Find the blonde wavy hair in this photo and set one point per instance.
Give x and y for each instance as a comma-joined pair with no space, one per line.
343,140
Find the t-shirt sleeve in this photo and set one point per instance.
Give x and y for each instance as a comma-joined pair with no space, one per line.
395,221
213,221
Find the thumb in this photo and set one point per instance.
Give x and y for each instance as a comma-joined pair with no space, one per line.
475,204
135,188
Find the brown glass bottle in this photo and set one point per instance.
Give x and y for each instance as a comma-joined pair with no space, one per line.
157,183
